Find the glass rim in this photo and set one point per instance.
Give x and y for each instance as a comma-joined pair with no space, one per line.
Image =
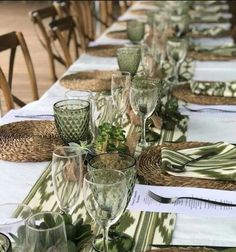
69,102
106,154
77,150
82,94
128,49
48,229
123,180
17,205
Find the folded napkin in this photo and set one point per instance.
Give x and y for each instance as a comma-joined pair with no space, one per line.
219,162
213,31
218,50
213,88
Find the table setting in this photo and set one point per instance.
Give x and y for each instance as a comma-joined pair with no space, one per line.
133,148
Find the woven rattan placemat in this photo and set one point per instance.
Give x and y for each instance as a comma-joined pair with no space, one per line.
183,92
140,12
103,50
88,81
28,141
150,172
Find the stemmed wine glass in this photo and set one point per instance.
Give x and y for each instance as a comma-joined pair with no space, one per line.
67,169
177,49
144,93
120,83
148,60
126,164
105,198
180,24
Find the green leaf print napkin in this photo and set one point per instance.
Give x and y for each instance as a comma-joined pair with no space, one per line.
213,161
212,88
214,31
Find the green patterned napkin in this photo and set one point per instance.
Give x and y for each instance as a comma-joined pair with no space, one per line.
186,69
215,161
214,31
208,17
218,50
212,88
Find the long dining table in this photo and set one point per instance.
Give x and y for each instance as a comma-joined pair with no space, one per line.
30,182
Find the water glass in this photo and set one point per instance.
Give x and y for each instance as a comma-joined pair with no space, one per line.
72,118
177,49
135,30
13,216
120,84
148,60
105,198
67,172
77,94
45,232
128,59
144,94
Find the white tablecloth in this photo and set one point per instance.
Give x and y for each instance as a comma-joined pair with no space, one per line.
17,179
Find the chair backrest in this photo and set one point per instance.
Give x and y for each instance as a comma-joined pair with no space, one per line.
11,41
40,19
64,31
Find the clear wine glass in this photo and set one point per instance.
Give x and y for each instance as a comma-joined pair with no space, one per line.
148,60
144,93
105,198
126,164
67,169
45,232
180,24
120,83
177,49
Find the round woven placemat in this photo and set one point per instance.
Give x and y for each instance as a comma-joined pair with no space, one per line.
149,170
209,56
88,81
117,34
28,141
103,50
183,92
183,249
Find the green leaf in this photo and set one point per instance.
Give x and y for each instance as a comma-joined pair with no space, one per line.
49,220
71,247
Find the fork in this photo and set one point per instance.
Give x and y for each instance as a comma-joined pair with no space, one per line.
165,200
34,116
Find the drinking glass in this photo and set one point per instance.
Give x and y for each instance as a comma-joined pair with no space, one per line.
144,94
135,30
77,94
180,25
177,49
148,60
120,83
5,243
129,58
67,169
12,217
87,96
45,232
72,117
105,198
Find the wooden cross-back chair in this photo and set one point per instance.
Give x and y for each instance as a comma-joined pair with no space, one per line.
106,13
40,19
64,31
11,41
124,5
83,12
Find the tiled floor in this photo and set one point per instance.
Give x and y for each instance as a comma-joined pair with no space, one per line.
14,17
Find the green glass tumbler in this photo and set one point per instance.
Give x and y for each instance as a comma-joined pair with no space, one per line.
129,58
72,119
135,30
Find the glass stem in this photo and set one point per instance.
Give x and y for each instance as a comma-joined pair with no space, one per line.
176,73
105,238
143,125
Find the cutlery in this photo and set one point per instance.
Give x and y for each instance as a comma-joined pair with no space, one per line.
209,109
177,168
33,116
165,200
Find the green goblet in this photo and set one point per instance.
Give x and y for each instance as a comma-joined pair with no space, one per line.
135,30
72,119
129,58
126,164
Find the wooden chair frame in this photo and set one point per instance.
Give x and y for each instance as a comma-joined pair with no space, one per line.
11,41
63,30
37,17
